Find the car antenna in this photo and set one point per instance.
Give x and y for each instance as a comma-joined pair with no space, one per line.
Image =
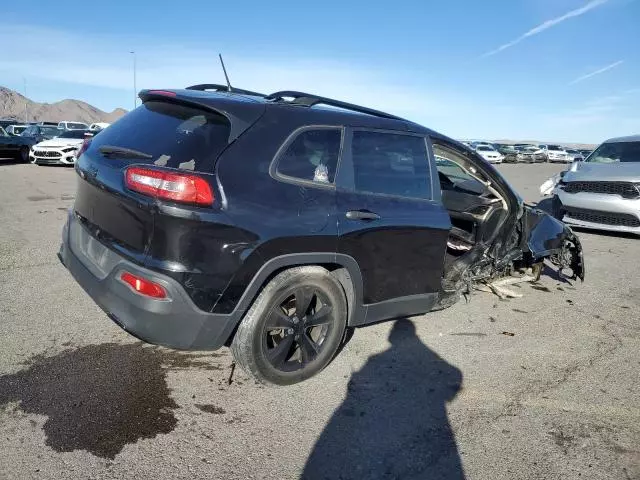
230,89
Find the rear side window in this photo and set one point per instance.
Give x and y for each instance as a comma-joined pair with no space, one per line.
312,156
175,136
391,164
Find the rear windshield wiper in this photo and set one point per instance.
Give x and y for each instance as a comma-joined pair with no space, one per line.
114,151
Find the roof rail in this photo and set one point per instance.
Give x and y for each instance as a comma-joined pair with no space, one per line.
309,100
223,88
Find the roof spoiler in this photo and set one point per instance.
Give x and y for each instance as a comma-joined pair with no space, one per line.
309,100
223,88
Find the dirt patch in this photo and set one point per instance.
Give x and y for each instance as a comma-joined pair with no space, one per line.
39,198
99,398
541,288
211,409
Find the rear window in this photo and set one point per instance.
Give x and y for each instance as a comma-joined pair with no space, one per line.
73,134
49,131
76,126
176,136
312,155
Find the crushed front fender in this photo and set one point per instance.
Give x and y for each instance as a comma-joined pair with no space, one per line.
547,237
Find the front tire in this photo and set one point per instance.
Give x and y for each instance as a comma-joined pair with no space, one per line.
23,156
294,328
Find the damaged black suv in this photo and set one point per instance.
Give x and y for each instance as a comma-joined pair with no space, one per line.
275,223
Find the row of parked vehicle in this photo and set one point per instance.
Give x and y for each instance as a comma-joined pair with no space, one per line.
45,142
526,153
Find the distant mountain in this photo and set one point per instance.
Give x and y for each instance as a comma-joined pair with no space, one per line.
12,105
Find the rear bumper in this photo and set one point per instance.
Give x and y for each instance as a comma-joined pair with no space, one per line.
173,322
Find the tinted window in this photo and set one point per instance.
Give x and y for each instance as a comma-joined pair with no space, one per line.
49,131
77,126
73,134
313,155
392,164
616,152
174,135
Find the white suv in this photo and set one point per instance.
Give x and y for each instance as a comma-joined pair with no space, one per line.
556,153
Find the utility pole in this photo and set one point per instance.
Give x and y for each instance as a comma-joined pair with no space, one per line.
135,88
26,109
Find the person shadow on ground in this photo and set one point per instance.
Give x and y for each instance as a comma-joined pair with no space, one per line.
393,422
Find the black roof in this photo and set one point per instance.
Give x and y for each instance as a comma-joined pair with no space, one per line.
245,107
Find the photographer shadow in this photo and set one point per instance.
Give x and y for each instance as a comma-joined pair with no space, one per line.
393,422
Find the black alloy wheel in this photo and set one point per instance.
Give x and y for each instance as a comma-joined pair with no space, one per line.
296,329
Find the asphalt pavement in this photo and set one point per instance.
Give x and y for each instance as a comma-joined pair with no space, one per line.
542,387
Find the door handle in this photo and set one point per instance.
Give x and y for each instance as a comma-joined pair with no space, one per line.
362,215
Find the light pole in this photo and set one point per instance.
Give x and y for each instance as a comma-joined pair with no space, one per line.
135,89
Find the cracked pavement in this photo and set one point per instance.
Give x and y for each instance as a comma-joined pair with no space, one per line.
451,394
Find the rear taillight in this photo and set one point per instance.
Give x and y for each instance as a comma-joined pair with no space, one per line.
83,148
143,286
176,187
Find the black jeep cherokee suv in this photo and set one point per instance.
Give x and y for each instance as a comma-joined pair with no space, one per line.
272,224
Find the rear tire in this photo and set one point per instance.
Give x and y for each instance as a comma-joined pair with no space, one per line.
294,328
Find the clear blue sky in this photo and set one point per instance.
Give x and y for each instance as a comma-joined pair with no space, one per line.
556,70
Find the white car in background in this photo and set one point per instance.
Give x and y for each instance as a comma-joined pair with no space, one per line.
98,126
16,130
531,154
576,155
60,150
489,153
65,126
556,153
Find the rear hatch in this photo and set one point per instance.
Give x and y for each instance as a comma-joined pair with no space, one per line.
167,133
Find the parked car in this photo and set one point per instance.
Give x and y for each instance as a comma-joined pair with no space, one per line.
204,219
96,127
16,129
5,122
16,147
555,153
586,153
489,154
508,151
602,192
72,126
39,133
531,154
574,155
60,150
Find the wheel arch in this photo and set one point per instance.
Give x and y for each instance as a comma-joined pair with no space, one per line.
344,268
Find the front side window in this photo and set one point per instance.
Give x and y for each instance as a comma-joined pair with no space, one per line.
312,156
391,164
